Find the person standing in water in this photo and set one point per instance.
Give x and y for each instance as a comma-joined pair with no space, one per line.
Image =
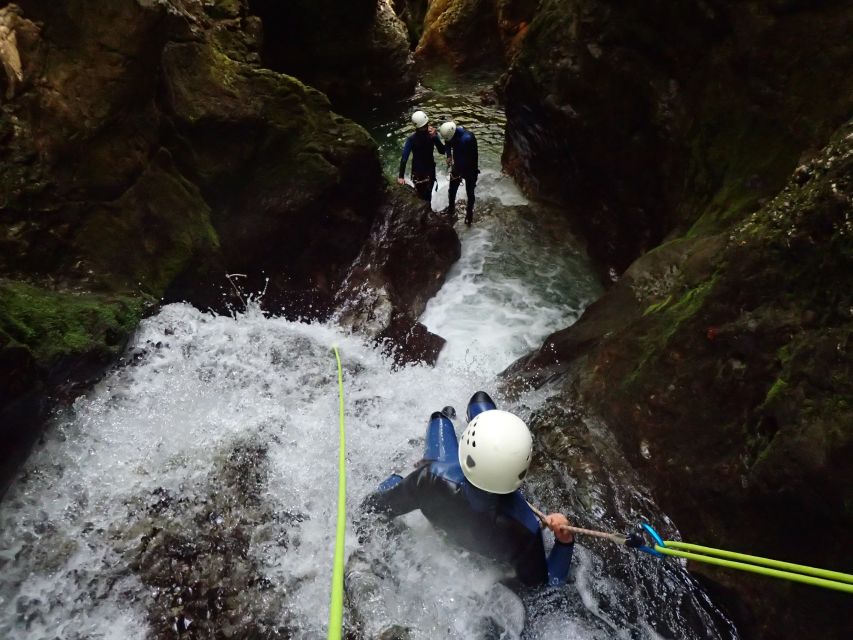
470,490
464,165
420,145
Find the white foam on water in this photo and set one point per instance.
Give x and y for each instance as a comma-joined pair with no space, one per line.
69,526
512,287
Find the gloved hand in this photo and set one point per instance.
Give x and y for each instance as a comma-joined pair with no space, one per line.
558,523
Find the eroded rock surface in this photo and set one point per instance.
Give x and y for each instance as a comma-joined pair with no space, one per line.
399,269
723,365
356,52
146,153
647,120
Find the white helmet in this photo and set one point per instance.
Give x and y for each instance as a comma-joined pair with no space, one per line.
447,130
495,451
419,119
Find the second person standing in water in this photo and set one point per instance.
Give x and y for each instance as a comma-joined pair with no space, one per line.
463,161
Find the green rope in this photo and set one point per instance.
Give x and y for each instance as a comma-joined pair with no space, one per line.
752,568
336,608
837,576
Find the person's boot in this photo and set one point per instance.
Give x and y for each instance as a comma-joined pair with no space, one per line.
450,212
469,217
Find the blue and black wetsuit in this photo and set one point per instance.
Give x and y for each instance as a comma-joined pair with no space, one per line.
462,150
420,144
501,527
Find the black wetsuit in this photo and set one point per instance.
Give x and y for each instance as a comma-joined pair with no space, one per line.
420,144
501,527
462,150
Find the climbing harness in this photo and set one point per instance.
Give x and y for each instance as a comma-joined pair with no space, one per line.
336,606
729,559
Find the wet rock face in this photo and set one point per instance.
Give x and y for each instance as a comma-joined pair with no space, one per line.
295,186
192,551
648,120
467,33
412,13
399,269
724,368
145,153
356,52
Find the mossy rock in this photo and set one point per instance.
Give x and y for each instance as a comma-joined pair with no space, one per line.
671,117
357,53
56,324
143,240
294,185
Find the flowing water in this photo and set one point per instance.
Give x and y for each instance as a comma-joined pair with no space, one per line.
522,274
192,492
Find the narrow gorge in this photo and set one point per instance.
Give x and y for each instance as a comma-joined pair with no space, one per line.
198,199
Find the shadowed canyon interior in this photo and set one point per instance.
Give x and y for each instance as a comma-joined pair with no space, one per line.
198,198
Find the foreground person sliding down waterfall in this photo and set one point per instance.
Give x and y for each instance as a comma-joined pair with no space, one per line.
469,490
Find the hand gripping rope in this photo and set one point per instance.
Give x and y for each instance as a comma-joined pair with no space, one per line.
729,559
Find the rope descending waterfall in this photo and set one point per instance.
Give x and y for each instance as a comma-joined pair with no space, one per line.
336,606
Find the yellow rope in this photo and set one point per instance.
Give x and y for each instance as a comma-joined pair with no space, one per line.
336,607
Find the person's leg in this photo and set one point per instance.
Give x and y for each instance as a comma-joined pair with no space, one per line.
441,444
451,194
423,185
479,402
470,185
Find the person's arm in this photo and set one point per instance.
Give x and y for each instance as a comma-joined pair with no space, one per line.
396,497
476,156
407,149
559,561
560,558
436,140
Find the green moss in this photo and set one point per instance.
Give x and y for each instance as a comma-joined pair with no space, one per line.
148,236
669,318
224,8
653,308
778,387
54,324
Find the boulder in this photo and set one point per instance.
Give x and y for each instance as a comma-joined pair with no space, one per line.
145,154
400,267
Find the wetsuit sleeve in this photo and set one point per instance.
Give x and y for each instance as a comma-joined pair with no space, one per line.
401,498
437,142
559,561
407,149
476,156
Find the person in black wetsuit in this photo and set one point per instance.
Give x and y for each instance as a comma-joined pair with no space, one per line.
420,145
470,491
462,157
